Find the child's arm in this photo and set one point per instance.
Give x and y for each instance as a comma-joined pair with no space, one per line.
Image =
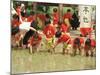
68,41
32,28
67,22
56,43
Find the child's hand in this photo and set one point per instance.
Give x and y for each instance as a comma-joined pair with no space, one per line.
40,32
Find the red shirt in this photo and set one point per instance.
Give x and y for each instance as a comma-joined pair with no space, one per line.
49,31
55,18
64,38
81,40
41,16
34,41
93,43
64,28
15,23
67,15
30,19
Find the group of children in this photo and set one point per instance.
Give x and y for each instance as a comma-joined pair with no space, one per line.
54,31
71,45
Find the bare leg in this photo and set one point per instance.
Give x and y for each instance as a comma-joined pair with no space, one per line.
63,51
80,51
67,51
30,49
92,53
52,50
87,53
74,52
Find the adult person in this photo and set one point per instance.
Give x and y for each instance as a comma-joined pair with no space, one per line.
75,21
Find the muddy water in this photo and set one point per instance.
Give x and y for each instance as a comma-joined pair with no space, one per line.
23,62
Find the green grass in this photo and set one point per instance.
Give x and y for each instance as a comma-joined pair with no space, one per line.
23,62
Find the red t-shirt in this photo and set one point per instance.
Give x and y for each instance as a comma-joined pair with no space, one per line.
15,23
64,38
93,43
81,41
49,31
55,18
64,28
34,41
67,15
30,19
41,16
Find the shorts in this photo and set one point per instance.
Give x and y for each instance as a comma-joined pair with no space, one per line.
50,42
27,36
66,46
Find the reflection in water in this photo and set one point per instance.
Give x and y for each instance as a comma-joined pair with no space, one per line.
88,62
23,62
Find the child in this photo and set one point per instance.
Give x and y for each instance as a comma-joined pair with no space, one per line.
31,17
55,17
18,9
15,24
47,19
68,14
58,32
23,16
89,46
64,27
49,32
34,42
93,45
78,43
65,39
33,29
67,17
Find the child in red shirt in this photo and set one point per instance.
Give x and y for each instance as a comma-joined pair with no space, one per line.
78,43
49,32
34,42
64,28
55,16
68,14
65,39
67,17
90,45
